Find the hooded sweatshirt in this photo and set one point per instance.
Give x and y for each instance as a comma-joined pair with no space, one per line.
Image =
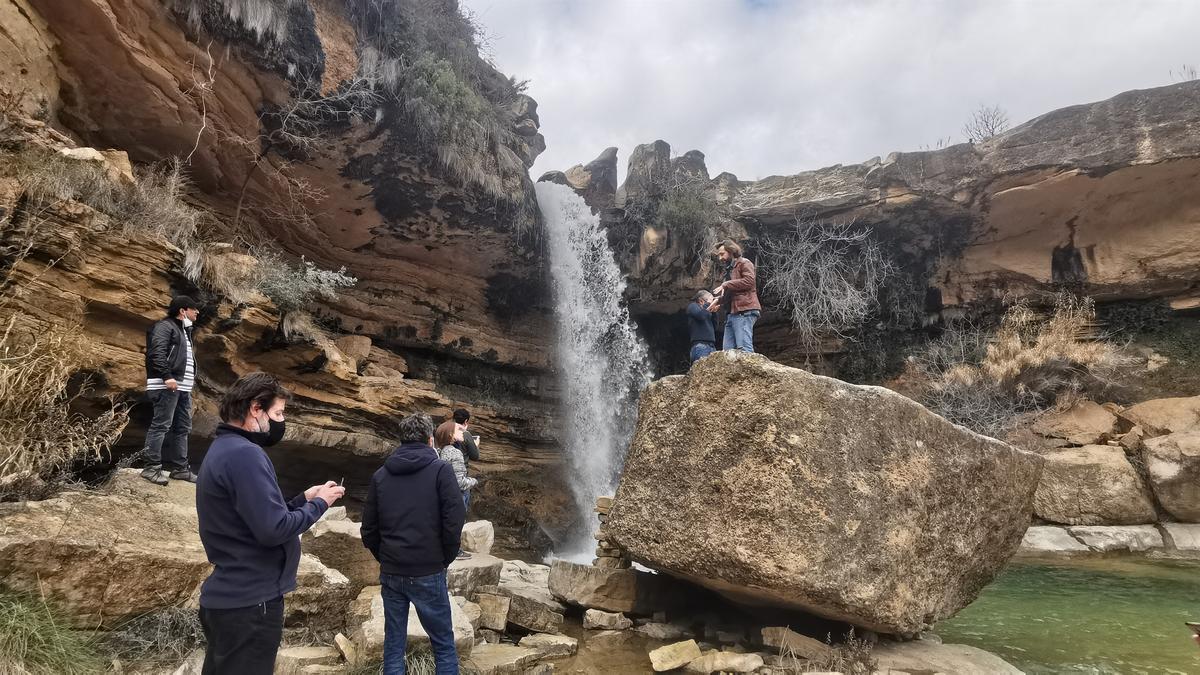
251,535
413,518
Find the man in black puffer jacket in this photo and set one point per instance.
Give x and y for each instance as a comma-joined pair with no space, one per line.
170,376
412,523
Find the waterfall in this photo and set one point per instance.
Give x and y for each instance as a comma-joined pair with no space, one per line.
601,362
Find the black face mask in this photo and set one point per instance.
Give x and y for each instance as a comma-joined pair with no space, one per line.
273,435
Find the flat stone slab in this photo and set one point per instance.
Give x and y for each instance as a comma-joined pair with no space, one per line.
1134,538
674,656
291,659
498,659
550,646
725,662
925,656
1051,539
1185,536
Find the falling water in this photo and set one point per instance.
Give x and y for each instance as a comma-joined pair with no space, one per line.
601,362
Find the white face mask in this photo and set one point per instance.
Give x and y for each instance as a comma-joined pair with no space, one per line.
187,323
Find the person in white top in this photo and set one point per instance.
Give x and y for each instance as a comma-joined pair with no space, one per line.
170,376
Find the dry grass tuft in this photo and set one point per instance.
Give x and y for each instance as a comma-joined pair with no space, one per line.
41,437
1032,363
36,640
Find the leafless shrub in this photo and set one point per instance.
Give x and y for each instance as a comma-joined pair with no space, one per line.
41,436
1031,363
827,275
1186,73
164,637
985,122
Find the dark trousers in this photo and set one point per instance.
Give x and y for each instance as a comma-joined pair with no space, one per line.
167,437
429,596
242,641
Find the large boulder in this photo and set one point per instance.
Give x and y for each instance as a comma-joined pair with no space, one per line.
367,623
773,486
1173,463
1163,416
337,542
1092,485
106,556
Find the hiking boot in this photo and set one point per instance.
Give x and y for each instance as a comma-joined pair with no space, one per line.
183,474
155,475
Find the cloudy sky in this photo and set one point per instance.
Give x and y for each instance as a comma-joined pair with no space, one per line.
768,87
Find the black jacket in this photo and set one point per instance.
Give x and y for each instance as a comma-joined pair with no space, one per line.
413,518
166,350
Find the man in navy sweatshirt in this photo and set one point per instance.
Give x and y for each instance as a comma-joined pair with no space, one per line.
701,329
412,523
251,535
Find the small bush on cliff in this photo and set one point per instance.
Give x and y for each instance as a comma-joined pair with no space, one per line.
41,435
294,286
425,55
1031,363
827,275
36,640
690,213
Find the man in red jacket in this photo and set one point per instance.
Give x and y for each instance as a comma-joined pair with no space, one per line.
738,294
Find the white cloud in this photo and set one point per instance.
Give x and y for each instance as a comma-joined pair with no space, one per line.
776,86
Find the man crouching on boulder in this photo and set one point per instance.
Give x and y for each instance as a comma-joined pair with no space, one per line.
250,534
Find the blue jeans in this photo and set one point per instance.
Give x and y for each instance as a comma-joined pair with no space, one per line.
701,350
430,597
739,330
167,437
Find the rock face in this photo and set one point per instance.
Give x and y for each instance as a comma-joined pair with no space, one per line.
1041,204
106,557
1092,485
1173,462
735,462
142,78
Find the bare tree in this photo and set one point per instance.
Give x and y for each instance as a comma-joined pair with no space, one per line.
1186,73
985,122
827,274
296,126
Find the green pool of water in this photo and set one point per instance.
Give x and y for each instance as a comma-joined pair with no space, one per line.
1107,616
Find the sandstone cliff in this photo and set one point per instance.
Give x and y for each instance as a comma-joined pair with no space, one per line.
448,309
1091,197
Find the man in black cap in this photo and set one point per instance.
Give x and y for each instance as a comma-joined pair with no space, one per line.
170,376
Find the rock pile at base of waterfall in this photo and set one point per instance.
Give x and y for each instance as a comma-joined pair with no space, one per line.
903,517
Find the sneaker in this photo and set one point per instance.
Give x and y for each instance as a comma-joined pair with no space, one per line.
155,475
184,474
463,555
